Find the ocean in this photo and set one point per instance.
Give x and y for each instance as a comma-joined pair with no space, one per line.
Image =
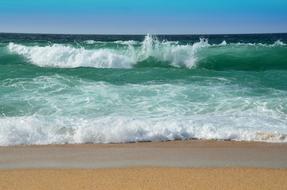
67,89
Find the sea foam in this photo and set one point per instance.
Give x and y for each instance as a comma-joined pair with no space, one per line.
65,56
62,130
127,54
146,99
69,57
60,109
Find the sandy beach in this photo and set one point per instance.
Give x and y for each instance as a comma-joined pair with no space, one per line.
192,154
144,178
158,165
143,95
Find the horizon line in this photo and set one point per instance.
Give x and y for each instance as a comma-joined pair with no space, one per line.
140,34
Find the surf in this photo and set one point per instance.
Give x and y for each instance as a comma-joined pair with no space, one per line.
58,90
64,56
130,54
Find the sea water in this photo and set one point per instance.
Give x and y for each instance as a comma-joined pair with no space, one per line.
57,89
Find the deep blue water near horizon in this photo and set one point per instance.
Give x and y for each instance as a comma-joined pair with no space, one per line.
57,89
213,38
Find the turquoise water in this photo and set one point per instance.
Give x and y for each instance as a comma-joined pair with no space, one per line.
57,89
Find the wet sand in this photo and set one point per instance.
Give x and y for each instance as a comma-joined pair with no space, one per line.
159,165
155,154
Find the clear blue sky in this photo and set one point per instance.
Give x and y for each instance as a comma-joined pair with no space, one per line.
143,16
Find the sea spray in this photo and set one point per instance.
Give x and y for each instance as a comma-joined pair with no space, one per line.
244,56
66,89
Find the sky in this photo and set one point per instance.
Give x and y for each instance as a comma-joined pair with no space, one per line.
143,16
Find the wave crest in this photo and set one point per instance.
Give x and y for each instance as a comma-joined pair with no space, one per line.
69,57
38,130
65,56
127,54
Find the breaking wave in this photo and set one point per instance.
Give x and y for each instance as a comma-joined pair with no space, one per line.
64,56
129,54
58,110
40,130
155,89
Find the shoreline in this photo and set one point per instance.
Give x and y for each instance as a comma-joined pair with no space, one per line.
146,143
183,154
173,165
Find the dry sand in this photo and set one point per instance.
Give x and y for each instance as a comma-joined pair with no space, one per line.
170,165
144,178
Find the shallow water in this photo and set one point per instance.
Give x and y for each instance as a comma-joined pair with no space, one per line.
114,89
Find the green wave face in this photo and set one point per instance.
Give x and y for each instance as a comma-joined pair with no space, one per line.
151,53
103,89
244,57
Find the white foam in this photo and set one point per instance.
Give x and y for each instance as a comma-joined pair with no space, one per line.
128,42
132,52
119,129
65,56
90,41
99,112
223,43
279,43
69,57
